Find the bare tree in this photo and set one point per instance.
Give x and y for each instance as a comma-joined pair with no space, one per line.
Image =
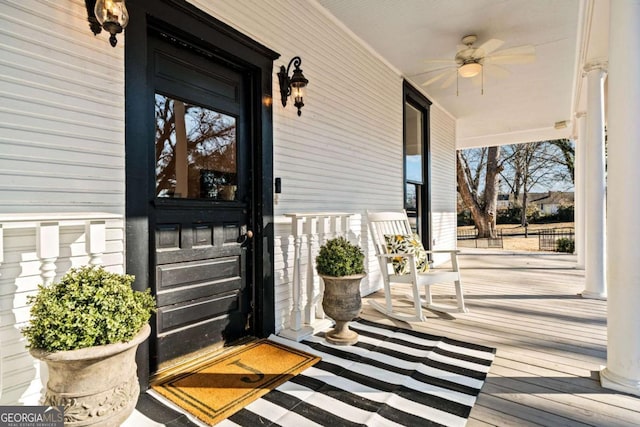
481,204
567,160
542,164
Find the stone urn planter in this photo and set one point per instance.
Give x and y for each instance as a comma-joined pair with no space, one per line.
98,386
86,328
341,266
342,302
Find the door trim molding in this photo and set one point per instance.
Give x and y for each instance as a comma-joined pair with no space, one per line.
194,26
416,99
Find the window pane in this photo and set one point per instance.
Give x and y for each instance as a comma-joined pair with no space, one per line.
412,205
195,151
413,144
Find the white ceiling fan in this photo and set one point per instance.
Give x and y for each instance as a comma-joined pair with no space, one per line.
471,61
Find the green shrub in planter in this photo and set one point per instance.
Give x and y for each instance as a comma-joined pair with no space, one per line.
565,245
338,257
88,307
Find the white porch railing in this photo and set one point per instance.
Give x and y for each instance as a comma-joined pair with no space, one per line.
47,229
310,231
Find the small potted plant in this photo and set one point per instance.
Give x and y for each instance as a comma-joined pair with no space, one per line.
341,266
86,328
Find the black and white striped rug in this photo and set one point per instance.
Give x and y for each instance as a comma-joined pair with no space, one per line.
391,377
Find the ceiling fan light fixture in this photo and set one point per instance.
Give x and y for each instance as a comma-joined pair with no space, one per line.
470,69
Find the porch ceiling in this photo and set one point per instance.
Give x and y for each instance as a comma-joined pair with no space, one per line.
520,107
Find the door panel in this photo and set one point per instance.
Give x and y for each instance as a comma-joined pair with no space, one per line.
202,203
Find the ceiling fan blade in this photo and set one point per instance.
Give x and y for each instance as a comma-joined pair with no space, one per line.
510,59
450,79
489,46
527,49
436,78
440,61
495,71
438,64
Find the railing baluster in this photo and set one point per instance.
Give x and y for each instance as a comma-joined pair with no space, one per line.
96,237
317,228
296,330
296,311
313,289
48,249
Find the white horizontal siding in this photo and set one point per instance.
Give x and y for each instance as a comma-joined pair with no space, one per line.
61,111
443,181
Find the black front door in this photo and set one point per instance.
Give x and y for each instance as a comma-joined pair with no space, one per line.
202,209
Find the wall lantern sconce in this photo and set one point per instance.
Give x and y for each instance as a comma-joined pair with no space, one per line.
112,15
292,85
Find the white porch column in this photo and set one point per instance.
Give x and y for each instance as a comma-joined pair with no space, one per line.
623,240
579,210
595,187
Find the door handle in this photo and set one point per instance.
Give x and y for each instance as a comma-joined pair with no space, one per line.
245,238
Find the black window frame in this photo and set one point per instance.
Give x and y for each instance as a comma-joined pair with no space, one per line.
417,100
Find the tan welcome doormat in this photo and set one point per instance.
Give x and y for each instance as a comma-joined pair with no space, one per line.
220,387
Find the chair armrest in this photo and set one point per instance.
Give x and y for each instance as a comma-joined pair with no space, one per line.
453,253
395,255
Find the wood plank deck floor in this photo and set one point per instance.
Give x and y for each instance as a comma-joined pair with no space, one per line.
550,342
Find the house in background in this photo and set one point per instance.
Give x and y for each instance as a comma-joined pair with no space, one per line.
548,203
504,201
103,161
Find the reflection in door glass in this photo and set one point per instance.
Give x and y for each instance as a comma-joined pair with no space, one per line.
195,151
413,144
413,206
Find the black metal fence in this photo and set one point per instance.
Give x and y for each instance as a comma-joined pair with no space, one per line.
496,242
548,239
469,238
468,234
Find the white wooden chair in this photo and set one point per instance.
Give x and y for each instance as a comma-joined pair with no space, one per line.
394,223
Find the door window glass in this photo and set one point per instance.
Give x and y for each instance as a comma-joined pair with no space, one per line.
413,144
196,151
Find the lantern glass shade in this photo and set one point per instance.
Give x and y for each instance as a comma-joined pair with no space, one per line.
297,79
470,69
111,13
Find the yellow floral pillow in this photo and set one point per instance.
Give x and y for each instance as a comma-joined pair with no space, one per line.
407,244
